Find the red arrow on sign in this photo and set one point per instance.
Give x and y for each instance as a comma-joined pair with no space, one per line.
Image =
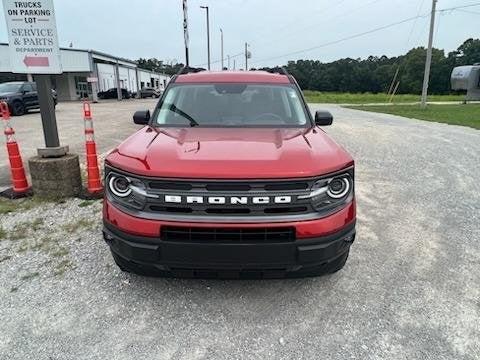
36,61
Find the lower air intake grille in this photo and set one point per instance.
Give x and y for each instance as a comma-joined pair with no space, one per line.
225,235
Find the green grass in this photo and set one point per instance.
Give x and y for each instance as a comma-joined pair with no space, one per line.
465,115
86,203
369,98
10,206
72,227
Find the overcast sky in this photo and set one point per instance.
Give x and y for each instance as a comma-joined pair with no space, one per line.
274,28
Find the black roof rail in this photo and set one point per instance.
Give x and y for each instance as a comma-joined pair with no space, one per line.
189,70
278,70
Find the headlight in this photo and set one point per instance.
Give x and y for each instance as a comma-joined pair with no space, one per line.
331,193
119,185
338,187
126,190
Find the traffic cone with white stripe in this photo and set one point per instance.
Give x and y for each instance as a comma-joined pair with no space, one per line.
20,187
94,184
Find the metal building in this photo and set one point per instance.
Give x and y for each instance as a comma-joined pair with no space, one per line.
467,78
86,72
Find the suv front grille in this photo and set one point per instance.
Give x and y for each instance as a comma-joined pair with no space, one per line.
226,235
226,190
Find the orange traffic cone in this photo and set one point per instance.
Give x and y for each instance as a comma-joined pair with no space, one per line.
94,184
20,187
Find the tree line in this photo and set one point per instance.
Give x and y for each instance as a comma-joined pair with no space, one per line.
374,74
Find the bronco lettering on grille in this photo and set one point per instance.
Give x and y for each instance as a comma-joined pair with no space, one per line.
231,200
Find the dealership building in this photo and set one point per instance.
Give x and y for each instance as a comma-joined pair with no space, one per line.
87,72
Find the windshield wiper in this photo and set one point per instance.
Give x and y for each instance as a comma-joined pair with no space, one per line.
183,114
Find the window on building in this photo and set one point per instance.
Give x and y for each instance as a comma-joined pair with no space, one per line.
83,89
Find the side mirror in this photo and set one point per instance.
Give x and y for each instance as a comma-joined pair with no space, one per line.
141,117
323,118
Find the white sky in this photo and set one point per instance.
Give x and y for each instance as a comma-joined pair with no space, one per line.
153,28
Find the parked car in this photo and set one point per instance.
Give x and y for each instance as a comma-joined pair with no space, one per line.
112,94
150,92
21,96
230,176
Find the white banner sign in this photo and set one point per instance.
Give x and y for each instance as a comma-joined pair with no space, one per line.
32,37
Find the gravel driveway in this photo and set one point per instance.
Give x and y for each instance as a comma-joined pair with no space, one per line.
410,290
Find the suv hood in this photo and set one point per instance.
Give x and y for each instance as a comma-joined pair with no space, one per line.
219,153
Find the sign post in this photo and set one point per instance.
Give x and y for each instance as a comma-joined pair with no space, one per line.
33,47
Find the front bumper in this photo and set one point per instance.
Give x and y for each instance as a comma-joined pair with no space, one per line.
177,256
310,249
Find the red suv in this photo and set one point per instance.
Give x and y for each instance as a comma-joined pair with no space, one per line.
230,177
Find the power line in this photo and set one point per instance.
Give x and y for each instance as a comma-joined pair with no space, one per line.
219,60
460,7
296,25
469,12
414,24
324,21
344,39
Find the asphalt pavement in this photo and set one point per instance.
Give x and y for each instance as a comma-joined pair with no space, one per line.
410,289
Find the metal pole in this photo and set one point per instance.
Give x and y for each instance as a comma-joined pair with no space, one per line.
221,44
428,61
208,35
228,63
47,110
185,31
246,57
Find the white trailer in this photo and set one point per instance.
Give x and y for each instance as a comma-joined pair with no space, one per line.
467,78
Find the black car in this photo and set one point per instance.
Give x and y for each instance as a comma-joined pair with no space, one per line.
21,96
112,94
150,92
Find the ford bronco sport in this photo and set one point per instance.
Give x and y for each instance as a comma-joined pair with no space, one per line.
231,176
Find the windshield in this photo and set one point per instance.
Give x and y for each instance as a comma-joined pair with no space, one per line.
9,87
231,105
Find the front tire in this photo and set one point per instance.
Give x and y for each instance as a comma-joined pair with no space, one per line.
18,108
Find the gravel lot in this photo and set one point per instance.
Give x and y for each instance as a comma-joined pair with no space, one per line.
410,290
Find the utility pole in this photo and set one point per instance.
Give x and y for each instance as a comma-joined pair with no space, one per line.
228,62
246,57
208,35
185,31
221,44
428,61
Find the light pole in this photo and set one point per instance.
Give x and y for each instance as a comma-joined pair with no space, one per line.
248,55
428,61
208,35
221,44
185,30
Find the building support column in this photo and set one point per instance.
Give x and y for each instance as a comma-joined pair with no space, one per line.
137,74
117,81
94,74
